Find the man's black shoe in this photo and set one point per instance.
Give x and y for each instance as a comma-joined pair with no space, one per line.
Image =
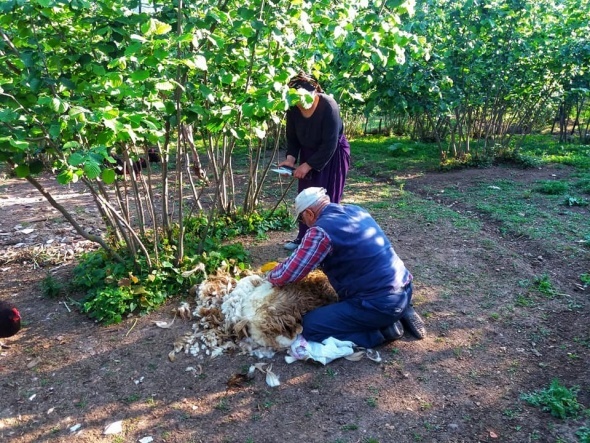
393,332
413,323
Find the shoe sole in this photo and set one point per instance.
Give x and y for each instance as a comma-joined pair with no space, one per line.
414,324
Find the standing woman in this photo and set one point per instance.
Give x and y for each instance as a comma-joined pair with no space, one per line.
315,137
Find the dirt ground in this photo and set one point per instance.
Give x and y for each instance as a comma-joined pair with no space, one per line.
65,378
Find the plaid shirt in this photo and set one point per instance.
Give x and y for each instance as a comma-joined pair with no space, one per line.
314,247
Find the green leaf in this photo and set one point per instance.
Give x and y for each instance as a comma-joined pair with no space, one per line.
164,86
78,113
248,109
200,62
245,13
22,171
55,131
19,144
58,105
162,28
76,159
65,177
141,75
8,115
92,170
260,133
239,133
98,70
246,30
189,63
71,144
134,47
108,176
150,124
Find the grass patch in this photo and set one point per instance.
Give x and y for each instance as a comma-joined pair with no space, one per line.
379,156
560,401
349,427
536,215
544,286
552,187
430,212
52,287
583,434
547,150
537,212
575,201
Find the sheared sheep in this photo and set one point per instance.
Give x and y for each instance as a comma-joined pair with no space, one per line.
271,316
252,312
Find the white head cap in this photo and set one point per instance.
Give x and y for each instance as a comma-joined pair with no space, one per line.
307,198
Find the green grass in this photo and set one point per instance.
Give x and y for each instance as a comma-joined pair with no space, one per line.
381,156
547,150
406,204
544,285
583,434
544,209
536,213
51,287
552,187
349,427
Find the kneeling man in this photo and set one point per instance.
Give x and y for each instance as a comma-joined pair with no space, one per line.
373,285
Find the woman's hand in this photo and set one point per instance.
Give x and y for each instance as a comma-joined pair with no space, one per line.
290,161
301,171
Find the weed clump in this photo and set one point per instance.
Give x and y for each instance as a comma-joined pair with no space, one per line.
551,187
560,401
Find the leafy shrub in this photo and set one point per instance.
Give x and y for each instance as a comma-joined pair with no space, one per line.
560,401
544,285
583,434
109,304
398,149
575,201
515,157
583,186
114,290
551,187
51,287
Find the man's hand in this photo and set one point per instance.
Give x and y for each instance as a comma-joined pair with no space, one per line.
269,266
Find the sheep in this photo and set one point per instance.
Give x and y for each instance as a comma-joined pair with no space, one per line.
252,313
271,316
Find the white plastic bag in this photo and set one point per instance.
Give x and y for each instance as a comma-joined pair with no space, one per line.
328,350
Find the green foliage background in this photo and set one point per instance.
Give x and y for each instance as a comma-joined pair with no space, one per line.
82,82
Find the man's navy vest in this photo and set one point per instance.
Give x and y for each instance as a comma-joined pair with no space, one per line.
362,263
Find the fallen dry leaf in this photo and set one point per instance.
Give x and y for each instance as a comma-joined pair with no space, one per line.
163,324
114,428
34,363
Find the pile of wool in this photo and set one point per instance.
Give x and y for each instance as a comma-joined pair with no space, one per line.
247,313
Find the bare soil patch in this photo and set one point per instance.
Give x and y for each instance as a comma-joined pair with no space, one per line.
461,384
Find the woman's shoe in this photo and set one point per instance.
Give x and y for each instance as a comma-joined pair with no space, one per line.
292,245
